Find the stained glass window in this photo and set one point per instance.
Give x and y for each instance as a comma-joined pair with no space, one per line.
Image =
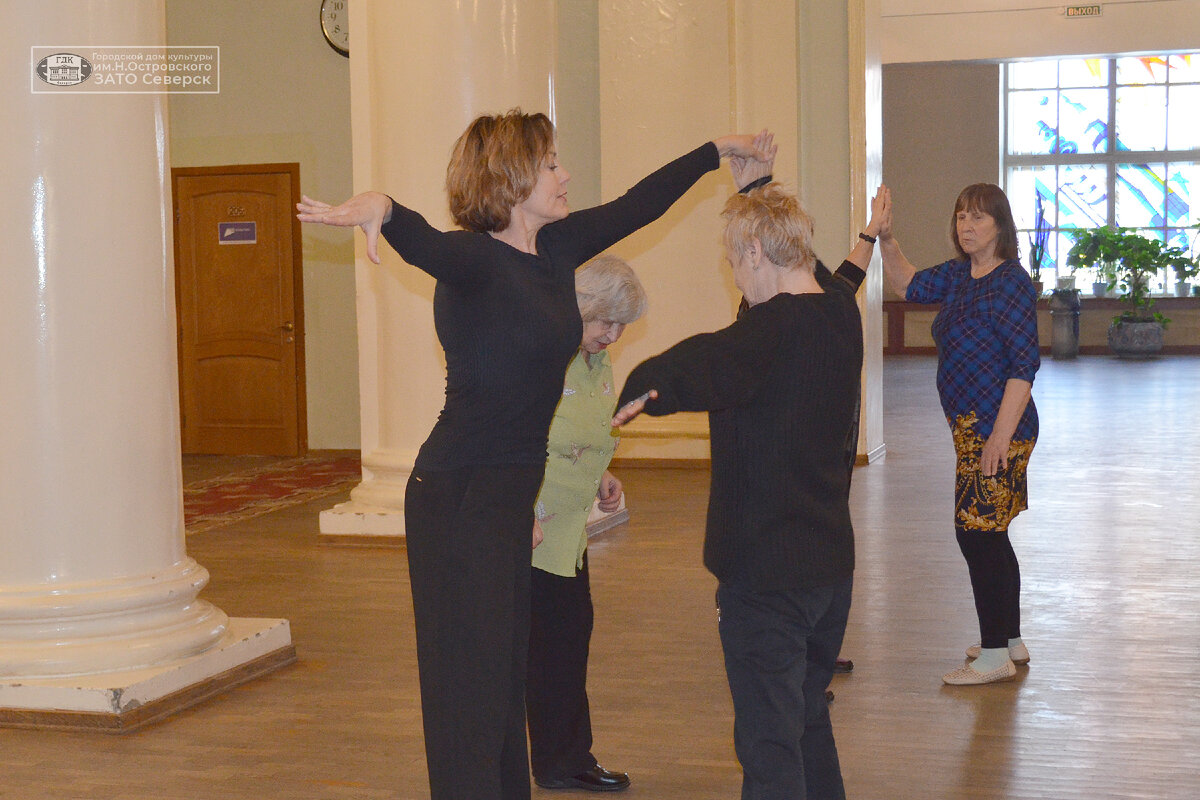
1094,142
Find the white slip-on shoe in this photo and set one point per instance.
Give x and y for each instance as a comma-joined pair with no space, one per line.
966,676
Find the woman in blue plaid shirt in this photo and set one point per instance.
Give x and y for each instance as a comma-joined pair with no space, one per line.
986,336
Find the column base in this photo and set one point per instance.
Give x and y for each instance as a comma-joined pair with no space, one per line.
119,702
358,523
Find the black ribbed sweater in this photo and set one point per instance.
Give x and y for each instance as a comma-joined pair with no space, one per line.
781,387
508,320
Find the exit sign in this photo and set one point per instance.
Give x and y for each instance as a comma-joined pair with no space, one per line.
1083,11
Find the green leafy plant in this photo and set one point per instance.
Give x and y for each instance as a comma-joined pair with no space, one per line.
1127,260
1186,262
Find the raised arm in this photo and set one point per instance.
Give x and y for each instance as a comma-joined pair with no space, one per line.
898,270
860,254
589,231
747,171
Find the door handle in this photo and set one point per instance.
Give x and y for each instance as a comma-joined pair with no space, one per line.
287,326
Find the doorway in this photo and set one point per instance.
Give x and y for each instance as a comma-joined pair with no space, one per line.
239,300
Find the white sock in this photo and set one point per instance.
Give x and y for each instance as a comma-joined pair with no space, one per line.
1015,642
990,658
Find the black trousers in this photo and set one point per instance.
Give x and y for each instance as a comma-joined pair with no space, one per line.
560,724
468,535
996,583
780,649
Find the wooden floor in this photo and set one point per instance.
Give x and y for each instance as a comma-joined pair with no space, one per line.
1109,707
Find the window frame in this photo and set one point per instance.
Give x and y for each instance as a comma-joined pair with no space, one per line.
1109,161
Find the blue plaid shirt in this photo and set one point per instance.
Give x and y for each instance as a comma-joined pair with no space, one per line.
986,333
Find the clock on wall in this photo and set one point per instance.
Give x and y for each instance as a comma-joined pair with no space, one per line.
335,25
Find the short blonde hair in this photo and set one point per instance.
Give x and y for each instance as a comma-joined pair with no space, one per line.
775,217
494,166
607,289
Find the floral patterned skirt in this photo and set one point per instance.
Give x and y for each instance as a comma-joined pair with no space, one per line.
987,503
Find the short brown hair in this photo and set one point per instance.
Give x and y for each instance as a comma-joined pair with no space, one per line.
607,290
494,166
776,218
991,200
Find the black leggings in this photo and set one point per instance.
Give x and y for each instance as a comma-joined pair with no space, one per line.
996,582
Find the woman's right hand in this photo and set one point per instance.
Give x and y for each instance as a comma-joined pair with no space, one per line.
631,409
369,210
880,224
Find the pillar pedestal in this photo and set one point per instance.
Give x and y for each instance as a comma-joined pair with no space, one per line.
119,702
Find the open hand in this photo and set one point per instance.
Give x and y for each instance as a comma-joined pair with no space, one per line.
368,210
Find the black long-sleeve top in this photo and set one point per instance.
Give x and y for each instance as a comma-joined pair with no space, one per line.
508,320
780,386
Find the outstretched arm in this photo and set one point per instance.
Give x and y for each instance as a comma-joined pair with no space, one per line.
369,211
898,269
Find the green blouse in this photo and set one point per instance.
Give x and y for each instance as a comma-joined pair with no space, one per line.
582,441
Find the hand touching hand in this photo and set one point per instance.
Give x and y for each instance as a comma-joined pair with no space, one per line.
746,169
881,213
368,210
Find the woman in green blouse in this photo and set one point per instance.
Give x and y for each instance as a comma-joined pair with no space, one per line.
581,445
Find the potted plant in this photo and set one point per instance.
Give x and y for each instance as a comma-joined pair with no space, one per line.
1186,264
1099,249
1134,259
1037,246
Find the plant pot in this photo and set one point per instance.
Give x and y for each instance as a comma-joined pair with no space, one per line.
1099,289
1066,282
1182,289
1039,287
1135,339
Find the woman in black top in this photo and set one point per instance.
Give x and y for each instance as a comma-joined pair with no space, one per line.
506,316
781,387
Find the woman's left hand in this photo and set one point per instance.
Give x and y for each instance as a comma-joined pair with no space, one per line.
995,455
538,536
609,493
743,145
633,408
746,170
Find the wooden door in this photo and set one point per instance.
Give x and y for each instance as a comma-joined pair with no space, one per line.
240,306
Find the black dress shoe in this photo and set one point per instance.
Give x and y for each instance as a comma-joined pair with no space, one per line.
843,665
596,779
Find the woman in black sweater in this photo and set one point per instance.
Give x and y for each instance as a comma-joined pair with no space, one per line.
781,387
506,316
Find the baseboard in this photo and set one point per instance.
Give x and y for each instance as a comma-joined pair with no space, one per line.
661,463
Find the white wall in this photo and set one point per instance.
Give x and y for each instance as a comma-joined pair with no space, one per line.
972,30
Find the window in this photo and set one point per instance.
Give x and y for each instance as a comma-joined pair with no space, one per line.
1101,141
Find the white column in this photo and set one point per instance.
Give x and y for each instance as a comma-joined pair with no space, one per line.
98,597
420,71
672,77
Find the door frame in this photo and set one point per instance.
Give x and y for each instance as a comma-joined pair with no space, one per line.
292,169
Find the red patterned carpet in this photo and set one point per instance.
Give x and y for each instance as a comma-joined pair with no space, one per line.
220,501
